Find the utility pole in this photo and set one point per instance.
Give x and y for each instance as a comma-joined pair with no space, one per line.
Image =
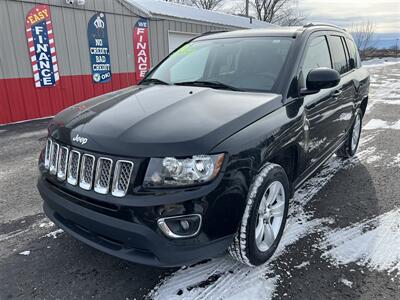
247,8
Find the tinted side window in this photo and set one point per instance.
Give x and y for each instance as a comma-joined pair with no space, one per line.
338,54
317,55
352,50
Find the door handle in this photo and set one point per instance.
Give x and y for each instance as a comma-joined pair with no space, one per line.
336,93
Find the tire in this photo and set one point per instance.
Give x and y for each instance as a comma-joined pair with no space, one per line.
245,247
349,148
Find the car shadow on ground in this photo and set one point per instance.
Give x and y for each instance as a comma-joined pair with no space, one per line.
65,268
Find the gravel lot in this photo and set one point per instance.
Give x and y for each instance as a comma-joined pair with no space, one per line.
342,239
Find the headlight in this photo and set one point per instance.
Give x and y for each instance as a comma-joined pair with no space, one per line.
172,171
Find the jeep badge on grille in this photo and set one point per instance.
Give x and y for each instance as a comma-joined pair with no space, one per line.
79,139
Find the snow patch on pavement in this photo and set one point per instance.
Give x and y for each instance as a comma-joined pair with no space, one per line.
54,234
373,243
346,282
46,224
396,161
302,265
373,158
381,124
26,253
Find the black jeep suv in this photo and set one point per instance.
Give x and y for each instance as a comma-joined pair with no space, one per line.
204,154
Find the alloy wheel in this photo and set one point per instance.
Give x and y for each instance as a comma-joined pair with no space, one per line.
270,216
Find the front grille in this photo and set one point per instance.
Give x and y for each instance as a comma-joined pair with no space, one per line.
123,171
73,167
47,154
54,158
103,175
87,168
62,163
83,168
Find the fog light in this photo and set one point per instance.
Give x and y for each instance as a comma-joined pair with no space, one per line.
177,227
185,224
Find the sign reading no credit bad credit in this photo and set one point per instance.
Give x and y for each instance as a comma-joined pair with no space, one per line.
42,49
98,48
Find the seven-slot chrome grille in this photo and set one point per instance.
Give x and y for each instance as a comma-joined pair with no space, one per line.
85,170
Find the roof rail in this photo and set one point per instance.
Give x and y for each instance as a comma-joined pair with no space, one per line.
322,24
212,32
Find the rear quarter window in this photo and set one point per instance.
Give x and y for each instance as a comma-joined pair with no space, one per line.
353,52
338,54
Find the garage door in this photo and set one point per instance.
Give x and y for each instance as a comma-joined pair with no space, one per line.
175,39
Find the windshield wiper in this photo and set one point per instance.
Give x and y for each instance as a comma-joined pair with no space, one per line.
211,84
154,81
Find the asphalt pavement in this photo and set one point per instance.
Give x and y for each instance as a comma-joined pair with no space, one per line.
342,240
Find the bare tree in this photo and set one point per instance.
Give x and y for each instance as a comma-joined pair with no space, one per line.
363,34
208,4
282,12
205,4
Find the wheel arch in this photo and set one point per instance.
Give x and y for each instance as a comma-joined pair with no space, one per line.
363,105
288,159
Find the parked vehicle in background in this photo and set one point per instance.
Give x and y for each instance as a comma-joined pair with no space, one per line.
205,153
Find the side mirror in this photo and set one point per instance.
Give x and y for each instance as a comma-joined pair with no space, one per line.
320,78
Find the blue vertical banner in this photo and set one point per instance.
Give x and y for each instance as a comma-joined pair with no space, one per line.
98,48
42,49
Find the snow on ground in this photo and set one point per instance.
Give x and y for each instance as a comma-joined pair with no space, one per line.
396,161
384,88
376,248
302,265
54,234
381,124
347,282
22,232
26,253
380,62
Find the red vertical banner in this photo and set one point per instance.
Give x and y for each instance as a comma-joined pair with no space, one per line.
42,49
141,49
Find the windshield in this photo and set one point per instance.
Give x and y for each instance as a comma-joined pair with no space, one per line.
247,64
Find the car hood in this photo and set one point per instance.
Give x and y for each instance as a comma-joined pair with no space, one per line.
158,120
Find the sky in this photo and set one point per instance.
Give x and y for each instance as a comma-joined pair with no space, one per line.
384,13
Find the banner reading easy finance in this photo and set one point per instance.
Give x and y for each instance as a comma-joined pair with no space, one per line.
98,47
141,48
42,49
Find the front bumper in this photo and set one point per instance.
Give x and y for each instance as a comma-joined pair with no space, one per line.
129,240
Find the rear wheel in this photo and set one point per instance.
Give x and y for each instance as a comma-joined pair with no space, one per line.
349,148
264,218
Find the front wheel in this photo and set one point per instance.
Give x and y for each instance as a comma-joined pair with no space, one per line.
264,217
349,148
